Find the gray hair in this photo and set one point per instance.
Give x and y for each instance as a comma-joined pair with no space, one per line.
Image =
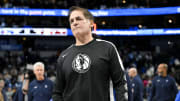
165,65
41,64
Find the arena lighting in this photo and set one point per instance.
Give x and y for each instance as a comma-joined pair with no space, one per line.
138,32
97,13
124,1
170,20
101,32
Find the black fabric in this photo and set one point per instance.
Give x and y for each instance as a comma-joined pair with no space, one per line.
84,72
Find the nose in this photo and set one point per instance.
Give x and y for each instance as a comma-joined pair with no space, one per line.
75,23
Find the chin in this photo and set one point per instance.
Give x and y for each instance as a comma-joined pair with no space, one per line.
78,34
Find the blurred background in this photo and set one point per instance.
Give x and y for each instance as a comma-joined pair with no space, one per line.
150,37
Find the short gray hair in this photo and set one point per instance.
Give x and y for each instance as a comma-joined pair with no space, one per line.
165,65
38,64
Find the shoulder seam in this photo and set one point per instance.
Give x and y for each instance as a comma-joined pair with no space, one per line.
67,49
120,61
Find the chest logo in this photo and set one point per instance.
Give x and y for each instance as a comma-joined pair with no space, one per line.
81,63
45,86
35,87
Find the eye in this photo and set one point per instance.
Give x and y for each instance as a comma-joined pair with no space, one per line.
78,18
71,21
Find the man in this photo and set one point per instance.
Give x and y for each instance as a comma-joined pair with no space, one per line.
129,85
84,69
136,84
3,96
41,88
22,90
163,86
178,97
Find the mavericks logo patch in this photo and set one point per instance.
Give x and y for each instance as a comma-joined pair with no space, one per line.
81,63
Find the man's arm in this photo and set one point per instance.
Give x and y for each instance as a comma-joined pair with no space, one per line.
30,95
59,83
174,88
117,75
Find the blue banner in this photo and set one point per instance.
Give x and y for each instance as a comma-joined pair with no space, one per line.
97,13
136,32
10,47
33,12
101,32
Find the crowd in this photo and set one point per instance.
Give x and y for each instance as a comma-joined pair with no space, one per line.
92,4
14,66
142,68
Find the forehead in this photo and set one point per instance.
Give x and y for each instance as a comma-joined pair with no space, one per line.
38,67
161,66
130,71
76,13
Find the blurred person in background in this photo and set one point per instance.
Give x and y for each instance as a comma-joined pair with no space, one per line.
85,69
178,95
129,85
22,89
3,96
163,86
136,84
10,92
41,88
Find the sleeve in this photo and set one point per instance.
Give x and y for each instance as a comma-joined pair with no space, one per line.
51,90
152,92
59,83
174,87
118,75
141,90
130,95
30,95
137,91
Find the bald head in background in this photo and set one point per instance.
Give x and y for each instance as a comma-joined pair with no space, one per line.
132,72
38,69
136,84
162,69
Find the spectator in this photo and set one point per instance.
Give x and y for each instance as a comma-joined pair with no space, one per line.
129,85
163,86
21,92
41,88
3,96
137,84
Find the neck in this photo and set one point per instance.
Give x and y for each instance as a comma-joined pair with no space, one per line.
164,74
82,40
134,75
40,78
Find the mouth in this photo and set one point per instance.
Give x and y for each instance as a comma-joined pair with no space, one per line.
75,28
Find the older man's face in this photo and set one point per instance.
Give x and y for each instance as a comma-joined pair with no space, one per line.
79,24
39,71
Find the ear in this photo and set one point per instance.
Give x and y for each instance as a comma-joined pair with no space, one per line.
92,23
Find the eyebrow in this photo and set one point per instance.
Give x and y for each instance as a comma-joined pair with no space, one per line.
75,18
